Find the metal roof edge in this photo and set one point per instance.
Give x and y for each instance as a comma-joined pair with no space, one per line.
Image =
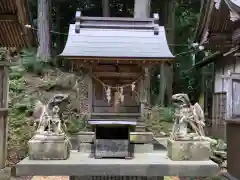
120,58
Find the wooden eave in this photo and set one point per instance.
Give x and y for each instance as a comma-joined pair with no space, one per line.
117,60
213,21
13,16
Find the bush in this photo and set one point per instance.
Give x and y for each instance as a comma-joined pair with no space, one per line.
32,64
159,119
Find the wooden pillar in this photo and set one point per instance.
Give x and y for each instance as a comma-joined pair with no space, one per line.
145,91
142,8
162,88
90,92
3,114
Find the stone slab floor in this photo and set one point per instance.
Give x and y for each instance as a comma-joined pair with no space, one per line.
66,178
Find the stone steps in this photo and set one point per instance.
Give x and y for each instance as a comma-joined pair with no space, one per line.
140,127
113,116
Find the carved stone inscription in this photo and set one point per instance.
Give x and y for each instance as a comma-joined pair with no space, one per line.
111,148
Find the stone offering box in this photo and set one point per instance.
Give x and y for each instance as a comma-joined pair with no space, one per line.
112,139
188,150
49,147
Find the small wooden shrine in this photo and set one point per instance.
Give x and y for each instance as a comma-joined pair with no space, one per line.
219,31
114,57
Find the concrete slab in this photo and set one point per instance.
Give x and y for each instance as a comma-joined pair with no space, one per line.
115,178
149,165
161,140
141,137
142,148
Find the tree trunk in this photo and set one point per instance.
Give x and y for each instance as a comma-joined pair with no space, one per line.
44,49
58,27
106,8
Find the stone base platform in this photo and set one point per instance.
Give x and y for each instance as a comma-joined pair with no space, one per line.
5,174
115,178
228,176
147,165
48,149
188,150
135,137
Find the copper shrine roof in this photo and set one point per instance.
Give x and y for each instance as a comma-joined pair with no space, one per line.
116,37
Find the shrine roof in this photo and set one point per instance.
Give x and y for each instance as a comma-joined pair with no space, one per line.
217,18
217,28
117,38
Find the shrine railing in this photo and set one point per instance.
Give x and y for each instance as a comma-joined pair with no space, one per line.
218,128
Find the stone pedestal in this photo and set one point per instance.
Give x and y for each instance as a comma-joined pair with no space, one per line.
188,150
5,174
48,148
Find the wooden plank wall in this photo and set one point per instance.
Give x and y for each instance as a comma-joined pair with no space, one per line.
222,67
218,117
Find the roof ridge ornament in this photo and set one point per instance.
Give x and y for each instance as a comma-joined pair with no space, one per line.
156,23
78,22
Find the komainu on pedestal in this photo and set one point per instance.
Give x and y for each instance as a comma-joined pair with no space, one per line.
184,145
49,142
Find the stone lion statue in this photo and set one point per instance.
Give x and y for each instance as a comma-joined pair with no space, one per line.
186,116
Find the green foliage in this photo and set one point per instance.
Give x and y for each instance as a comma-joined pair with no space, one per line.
17,85
159,119
75,125
2,54
186,17
20,103
16,72
32,64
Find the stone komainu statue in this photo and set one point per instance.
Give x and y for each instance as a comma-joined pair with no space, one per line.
186,116
59,100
